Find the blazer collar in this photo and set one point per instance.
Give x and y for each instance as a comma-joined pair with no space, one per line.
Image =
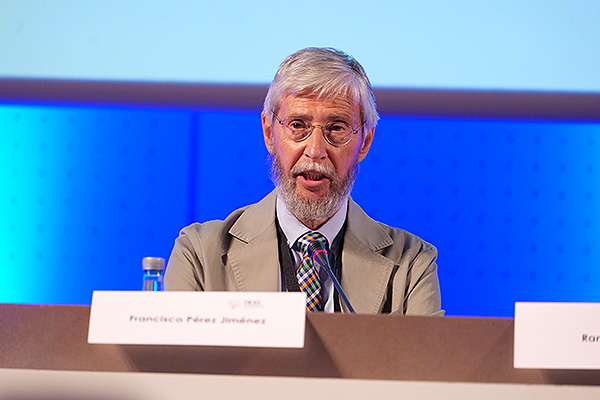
255,219
368,231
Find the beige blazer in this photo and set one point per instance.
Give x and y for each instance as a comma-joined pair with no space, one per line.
384,269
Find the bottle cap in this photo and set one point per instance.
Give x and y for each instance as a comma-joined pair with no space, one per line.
154,263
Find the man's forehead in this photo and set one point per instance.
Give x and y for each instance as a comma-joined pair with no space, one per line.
342,102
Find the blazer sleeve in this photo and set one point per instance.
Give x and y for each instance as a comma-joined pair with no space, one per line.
185,270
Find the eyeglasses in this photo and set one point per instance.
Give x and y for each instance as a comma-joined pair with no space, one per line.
337,133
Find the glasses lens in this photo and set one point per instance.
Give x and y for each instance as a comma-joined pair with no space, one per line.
338,132
297,128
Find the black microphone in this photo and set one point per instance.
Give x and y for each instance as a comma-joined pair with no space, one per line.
319,254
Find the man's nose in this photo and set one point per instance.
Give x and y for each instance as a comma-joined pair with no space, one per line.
316,145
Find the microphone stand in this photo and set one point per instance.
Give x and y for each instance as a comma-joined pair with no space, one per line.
320,256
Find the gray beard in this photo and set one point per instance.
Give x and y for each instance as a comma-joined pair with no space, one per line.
310,209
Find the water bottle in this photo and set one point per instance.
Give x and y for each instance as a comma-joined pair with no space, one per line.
154,269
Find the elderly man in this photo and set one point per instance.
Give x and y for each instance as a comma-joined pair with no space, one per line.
318,122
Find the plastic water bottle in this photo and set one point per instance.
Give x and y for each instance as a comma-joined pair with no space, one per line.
154,269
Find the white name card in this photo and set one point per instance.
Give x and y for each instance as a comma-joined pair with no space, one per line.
244,319
557,335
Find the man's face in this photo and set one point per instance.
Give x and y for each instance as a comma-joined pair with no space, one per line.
313,176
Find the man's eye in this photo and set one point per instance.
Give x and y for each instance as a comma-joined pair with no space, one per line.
298,124
338,127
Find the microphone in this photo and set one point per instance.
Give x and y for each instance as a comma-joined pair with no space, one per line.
320,256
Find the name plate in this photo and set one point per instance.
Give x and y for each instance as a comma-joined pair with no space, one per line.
245,319
557,335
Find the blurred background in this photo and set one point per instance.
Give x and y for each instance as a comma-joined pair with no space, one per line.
121,122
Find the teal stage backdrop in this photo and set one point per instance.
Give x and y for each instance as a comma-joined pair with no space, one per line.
86,192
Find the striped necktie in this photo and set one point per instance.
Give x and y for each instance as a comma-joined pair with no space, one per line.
308,279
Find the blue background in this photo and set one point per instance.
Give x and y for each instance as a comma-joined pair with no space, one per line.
88,191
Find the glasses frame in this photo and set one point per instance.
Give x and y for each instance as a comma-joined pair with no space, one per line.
312,128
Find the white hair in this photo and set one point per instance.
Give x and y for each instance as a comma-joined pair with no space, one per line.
326,73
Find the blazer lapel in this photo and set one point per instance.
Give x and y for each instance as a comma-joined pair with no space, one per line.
254,257
365,272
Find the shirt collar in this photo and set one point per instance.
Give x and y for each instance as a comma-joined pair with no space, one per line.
293,228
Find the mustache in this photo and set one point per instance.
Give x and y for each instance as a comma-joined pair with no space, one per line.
304,166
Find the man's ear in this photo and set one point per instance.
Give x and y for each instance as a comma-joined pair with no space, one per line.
267,132
366,145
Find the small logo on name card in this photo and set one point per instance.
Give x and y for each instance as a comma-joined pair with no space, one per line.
234,303
253,304
248,303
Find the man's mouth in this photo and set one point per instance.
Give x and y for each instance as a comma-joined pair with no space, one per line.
313,180
312,175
